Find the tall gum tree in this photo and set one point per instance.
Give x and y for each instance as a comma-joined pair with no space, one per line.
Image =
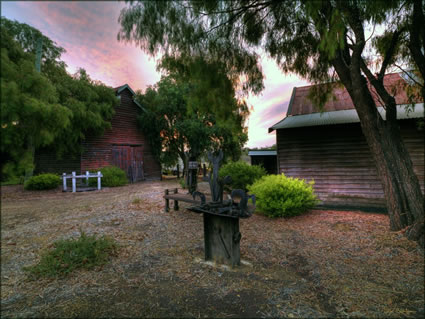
51,108
323,42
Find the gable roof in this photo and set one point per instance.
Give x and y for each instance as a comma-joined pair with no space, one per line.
342,117
342,109
121,88
301,104
262,153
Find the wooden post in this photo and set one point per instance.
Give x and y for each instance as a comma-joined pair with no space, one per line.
99,185
74,183
222,239
64,181
178,171
167,202
176,202
204,170
87,178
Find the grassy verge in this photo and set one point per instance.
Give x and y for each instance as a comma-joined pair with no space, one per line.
67,255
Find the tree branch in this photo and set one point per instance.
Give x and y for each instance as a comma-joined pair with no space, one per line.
389,53
389,101
409,76
415,42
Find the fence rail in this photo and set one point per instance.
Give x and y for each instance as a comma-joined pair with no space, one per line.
74,178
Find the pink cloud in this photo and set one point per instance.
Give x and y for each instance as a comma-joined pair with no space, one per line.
88,31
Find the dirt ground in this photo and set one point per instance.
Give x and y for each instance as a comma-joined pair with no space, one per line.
321,264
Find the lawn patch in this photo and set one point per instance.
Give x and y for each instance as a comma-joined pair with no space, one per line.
67,255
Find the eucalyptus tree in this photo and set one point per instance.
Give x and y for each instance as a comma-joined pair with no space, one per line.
31,115
177,128
49,109
322,41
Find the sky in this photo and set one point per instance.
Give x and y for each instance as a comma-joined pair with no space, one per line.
88,32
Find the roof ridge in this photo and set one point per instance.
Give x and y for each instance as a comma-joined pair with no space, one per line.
307,86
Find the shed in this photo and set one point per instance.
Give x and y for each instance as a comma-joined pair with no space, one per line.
265,158
330,148
123,145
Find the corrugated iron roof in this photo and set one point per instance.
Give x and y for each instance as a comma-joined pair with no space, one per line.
301,104
262,153
341,117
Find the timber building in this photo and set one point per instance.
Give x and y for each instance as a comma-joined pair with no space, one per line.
330,148
123,145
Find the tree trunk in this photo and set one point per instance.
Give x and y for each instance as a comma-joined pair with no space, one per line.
417,39
184,160
401,185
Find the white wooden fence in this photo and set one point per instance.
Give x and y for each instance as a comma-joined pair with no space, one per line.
74,177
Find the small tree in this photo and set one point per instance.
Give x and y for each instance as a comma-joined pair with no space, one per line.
176,130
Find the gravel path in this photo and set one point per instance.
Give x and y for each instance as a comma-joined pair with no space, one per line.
321,264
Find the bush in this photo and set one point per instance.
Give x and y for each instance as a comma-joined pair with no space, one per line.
67,255
281,196
242,174
182,182
42,181
112,176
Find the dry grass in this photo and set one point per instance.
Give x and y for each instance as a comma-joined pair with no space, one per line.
321,264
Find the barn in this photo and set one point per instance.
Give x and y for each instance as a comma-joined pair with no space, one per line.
123,145
329,147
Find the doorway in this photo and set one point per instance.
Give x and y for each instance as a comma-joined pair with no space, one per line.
130,159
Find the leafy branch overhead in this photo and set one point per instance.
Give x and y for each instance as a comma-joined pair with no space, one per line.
351,42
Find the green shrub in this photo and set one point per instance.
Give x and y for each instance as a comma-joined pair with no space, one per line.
182,182
112,176
67,255
281,196
13,181
242,174
42,181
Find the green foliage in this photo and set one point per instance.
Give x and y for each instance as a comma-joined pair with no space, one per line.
12,181
242,174
30,113
84,252
265,148
48,109
27,37
43,181
182,182
90,102
321,41
281,196
175,129
308,38
112,176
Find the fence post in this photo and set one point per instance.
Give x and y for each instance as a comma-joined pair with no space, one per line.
87,178
64,181
99,186
167,202
74,183
176,202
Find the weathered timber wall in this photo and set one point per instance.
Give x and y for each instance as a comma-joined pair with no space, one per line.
97,151
338,159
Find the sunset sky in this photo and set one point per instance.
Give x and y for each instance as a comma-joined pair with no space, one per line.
88,32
